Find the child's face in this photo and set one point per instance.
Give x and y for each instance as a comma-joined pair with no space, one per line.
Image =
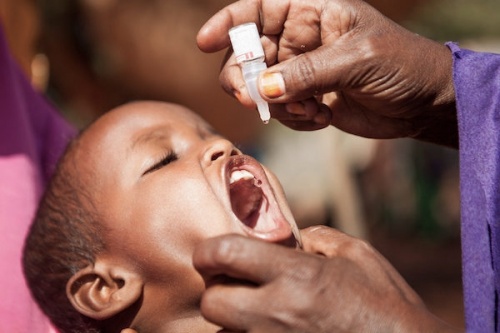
163,181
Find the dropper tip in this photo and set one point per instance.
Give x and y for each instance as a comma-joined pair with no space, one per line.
264,113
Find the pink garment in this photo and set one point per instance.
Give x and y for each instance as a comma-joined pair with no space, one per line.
32,137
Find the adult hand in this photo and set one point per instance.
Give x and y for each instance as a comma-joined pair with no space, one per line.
384,81
341,285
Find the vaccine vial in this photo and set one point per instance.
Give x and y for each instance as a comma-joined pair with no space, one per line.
249,54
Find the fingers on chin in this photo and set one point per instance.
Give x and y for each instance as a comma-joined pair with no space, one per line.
302,116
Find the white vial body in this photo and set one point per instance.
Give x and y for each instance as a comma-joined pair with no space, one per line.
245,40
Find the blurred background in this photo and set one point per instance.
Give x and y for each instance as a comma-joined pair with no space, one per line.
88,56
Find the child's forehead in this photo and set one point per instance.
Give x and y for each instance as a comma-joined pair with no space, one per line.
148,116
127,126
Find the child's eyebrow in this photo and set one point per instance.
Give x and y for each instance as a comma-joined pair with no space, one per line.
149,137
203,130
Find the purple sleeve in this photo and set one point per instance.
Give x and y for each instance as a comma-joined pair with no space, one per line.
477,89
32,137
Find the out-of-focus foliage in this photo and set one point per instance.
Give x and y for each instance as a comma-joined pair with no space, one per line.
457,20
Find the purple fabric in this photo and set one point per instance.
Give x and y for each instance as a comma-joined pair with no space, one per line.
32,137
477,87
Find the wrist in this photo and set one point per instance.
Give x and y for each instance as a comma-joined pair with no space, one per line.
424,321
438,123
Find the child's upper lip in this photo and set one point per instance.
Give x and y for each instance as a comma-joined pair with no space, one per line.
254,203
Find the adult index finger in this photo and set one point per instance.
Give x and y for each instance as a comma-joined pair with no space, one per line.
242,258
213,35
269,15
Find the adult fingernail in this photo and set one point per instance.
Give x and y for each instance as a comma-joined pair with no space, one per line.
272,84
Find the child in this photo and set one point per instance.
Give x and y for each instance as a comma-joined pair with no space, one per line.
133,195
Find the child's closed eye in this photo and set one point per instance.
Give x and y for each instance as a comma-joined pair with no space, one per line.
163,161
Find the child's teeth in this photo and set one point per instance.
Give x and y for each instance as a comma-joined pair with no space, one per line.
240,174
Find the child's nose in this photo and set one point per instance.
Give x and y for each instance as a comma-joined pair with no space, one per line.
219,148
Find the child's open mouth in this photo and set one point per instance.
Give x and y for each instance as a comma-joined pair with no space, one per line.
246,197
254,203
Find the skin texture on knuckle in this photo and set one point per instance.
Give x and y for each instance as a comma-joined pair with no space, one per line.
228,251
301,77
356,249
319,296
288,322
312,271
298,311
216,255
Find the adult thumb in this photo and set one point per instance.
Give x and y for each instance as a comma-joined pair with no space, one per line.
306,75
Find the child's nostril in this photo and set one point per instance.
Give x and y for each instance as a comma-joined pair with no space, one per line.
217,155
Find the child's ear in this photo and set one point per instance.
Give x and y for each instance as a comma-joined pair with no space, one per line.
102,290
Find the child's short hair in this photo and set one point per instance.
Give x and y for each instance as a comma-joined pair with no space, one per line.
64,238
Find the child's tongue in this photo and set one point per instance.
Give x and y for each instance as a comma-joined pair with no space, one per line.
246,199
